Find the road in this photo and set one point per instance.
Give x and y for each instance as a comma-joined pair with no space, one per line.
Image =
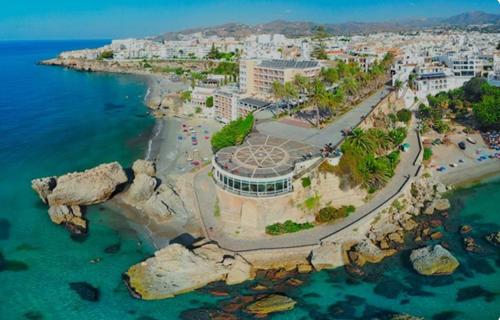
203,185
330,134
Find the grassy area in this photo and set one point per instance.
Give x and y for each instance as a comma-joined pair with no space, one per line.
287,227
234,133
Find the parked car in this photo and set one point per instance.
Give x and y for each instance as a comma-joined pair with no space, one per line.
469,139
462,145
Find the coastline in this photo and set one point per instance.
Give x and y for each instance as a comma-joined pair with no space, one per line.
471,176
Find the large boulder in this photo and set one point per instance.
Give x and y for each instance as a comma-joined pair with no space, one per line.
141,189
173,270
441,204
164,203
71,216
433,261
81,188
327,256
494,238
144,167
271,303
367,251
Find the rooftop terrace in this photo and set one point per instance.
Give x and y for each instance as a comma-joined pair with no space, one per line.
262,156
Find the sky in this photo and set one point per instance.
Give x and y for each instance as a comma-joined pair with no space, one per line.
111,19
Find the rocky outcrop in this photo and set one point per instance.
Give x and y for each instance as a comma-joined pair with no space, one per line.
69,216
433,261
441,204
327,256
149,195
175,269
494,238
367,251
66,194
81,188
144,167
141,189
271,303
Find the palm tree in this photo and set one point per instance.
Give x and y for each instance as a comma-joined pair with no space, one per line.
381,140
359,141
317,96
398,85
301,82
278,90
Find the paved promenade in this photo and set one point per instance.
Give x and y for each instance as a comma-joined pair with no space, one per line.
332,133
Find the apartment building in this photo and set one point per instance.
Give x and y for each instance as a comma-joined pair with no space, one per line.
257,76
226,104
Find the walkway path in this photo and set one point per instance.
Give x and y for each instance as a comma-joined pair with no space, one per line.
330,134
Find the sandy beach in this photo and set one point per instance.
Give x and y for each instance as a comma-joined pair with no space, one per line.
467,167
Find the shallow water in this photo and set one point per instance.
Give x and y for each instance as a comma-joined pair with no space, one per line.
54,120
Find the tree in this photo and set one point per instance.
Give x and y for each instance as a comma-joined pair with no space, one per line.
317,96
487,112
359,142
278,90
186,96
213,53
209,102
319,52
301,82
398,85
473,89
404,115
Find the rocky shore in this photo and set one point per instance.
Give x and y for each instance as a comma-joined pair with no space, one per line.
176,269
138,188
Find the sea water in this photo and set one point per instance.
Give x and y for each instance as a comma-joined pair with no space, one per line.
53,121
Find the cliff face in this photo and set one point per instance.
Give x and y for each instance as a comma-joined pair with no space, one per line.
129,66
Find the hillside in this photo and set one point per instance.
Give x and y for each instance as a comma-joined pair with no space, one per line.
305,28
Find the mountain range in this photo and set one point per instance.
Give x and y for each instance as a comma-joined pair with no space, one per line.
304,28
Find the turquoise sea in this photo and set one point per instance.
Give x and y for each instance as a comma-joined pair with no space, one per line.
53,121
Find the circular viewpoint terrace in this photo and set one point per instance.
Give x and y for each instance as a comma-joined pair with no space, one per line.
263,166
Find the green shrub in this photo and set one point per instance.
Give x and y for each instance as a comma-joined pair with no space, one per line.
287,227
440,126
427,153
233,133
404,115
108,54
398,135
330,214
209,102
306,182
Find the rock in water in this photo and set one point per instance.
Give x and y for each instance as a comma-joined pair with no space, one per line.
81,188
366,251
441,204
70,216
172,271
494,238
85,290
433,261
327,256
271,303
